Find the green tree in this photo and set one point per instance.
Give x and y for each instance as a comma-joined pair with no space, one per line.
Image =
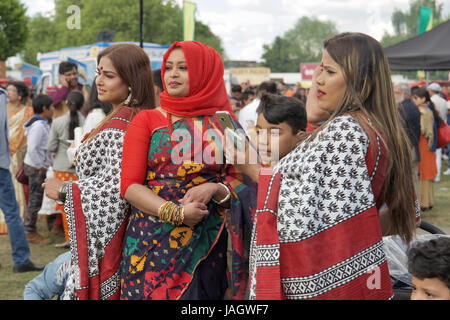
162,25
42,38
301,44
13,30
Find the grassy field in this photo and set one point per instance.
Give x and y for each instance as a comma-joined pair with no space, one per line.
12,284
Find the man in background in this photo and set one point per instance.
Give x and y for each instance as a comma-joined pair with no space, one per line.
248,115
411,119
68,72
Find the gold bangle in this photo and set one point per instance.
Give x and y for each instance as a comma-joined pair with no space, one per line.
170,212
181,215
162,209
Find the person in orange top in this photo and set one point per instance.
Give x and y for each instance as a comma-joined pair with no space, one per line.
427,146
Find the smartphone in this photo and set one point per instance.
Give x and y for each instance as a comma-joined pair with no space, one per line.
227,124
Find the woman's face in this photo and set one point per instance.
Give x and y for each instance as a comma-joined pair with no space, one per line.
13,94
418,100
110,85
331,84
176,76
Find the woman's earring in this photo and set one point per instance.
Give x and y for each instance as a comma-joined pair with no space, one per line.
128,99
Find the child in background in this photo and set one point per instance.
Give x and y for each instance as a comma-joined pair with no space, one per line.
281,122
62,132
429,265
283,119
37,160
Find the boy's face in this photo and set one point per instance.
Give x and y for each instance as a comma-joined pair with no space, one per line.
273,136
48,112
429,289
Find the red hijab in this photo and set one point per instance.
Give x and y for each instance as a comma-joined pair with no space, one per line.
207,93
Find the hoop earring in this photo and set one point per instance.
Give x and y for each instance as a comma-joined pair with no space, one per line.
128,99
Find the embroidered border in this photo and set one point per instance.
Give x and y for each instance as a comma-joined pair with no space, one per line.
335,276
110,286
268,255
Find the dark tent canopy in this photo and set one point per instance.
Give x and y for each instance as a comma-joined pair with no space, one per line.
427,51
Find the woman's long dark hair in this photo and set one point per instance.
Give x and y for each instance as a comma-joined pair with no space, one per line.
75,101
423,93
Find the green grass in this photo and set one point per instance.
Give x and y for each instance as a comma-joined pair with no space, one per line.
12,284
440,214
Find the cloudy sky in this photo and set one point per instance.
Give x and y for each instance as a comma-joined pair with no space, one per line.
246,25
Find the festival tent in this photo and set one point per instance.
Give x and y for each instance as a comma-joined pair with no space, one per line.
427,51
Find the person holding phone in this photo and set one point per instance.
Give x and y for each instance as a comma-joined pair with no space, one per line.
174,177
68,75
317,232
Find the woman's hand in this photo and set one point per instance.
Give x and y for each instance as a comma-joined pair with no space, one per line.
246,161
194,212
202,193
51,186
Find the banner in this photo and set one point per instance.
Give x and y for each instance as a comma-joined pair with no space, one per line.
189,9
28,71
425,19
307,70
425,24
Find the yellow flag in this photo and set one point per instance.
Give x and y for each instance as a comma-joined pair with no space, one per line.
189,9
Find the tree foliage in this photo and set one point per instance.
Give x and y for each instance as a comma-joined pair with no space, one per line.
301,44
13,28
162,25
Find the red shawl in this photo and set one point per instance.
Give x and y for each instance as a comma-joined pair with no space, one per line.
317,234
207,93
97,215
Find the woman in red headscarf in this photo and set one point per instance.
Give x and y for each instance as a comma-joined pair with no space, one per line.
174,176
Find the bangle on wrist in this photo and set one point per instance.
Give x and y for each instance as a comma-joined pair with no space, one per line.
227,197
172,213
62,193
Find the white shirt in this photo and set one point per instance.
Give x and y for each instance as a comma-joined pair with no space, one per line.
92,120
248,115
37,155
441,106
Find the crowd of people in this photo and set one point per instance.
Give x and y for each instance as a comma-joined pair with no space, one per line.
137,173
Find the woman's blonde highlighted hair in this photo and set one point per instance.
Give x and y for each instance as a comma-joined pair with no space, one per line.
369,98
